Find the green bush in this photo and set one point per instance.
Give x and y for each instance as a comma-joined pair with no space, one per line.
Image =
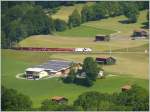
60,25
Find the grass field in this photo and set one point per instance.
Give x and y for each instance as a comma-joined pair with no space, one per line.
64,11
104,26
14,62
57,41
85,31
115,24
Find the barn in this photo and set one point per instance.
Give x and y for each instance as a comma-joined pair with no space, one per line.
126,87
52,67
35,73
59,99
106,61
102,38
139,34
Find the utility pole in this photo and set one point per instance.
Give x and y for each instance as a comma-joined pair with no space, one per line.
109,50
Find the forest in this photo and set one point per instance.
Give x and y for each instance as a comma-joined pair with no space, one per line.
22,19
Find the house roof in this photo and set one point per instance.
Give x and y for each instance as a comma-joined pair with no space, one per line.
103,59
54,65
139,30
35,69
101,35
126,87
58,98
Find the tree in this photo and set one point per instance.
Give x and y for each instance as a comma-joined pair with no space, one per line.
14,101
136,97
114,8
90,67
71,76
74,19
88,82
84,13
100,10
48,105
131,12
88,100
94,101
60,25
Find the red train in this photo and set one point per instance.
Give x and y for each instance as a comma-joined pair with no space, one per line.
43,49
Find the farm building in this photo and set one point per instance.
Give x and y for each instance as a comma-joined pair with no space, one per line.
107,61
83,74
52,67
126,87
139,34
102,38
35,73
59,99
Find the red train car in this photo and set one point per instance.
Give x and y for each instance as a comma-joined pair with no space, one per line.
44,49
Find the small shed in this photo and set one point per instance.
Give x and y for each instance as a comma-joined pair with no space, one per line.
102,38
126,87
140,33
106,61
59,99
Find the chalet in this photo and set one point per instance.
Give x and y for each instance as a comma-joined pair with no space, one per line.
139,34
106,61
52,67
126,87
59,99
102,38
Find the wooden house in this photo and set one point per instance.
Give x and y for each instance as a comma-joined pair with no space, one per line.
106,61
126,87
102,38
59,99
139,34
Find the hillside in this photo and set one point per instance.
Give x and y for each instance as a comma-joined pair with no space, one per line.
115,23
107,26
64,12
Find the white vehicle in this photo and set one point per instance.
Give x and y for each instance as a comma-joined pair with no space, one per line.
83,49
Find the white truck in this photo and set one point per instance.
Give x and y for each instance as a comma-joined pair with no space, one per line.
83,49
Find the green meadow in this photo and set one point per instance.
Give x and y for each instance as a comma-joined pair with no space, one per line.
14,62
85,31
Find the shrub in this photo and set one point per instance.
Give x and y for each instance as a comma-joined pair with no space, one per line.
60,25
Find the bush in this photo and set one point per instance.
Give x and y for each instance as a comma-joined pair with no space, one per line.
74,19
71,76
48,105
83,81
11,100
60,25
136,97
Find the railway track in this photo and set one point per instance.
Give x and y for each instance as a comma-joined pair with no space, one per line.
93,52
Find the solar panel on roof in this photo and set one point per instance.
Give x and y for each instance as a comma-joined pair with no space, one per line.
55,65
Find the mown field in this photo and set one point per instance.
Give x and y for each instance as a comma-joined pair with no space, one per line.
65,42
14,62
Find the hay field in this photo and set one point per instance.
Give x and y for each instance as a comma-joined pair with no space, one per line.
73,42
